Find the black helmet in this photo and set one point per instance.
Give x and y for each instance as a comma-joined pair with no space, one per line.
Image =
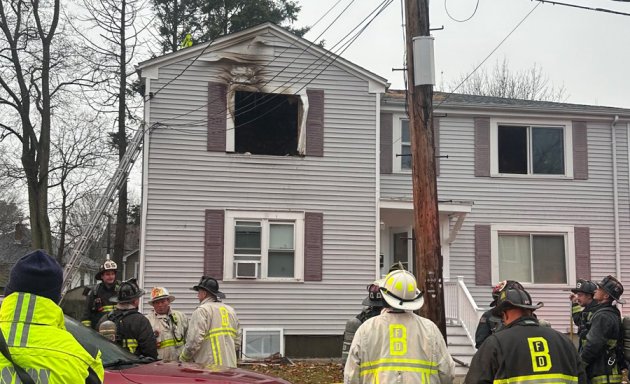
612,287
374,297
108,265
211,285
128,291
584,286
514,297
501,286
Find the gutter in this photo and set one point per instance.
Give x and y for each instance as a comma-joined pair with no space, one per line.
615,196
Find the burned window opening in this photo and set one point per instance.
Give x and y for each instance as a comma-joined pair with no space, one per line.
266,123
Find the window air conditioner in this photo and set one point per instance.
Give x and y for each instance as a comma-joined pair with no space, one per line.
246,269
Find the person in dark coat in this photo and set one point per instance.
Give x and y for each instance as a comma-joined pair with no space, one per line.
489,323
582,304
133,330
98,303
604,361
523,351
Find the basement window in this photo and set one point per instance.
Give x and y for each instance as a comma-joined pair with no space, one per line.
259,343
266,123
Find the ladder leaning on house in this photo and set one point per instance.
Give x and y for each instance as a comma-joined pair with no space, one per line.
103,206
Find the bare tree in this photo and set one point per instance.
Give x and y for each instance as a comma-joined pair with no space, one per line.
501,81
36,67
116,23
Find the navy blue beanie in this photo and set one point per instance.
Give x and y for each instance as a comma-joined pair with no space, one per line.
36,273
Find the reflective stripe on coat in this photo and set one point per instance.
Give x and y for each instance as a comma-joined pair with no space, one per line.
170,333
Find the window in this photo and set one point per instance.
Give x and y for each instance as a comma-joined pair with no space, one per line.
260,245
533,254
266,123
540,149
260,343
402,145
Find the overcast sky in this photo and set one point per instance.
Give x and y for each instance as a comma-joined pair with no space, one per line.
588,52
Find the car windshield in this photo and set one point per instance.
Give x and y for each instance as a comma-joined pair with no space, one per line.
110,352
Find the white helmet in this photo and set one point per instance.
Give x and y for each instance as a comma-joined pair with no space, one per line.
159,293
400,291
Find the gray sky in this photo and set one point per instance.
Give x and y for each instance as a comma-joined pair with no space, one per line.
588,52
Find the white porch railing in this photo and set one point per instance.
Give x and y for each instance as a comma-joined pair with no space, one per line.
461,308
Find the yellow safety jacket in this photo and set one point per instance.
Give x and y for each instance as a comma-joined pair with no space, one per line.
398,348
170,332
213,335
34,329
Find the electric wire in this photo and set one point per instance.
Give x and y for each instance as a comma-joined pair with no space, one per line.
605,10
460,20
449,94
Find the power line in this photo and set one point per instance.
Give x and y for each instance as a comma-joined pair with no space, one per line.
460,20
605,10
488,56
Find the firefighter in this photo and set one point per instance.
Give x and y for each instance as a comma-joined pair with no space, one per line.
523,351
601,351
489,323
169,326
399,346
582,304
32,324
133,330
98,298
213,331
373,304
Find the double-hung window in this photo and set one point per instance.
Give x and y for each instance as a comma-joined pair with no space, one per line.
533,254
402,145
264,245
531,148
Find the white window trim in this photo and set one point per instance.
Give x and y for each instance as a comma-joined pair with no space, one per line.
228,245
494,142
567,230
245,330
397,143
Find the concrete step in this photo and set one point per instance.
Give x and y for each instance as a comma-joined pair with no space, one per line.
460,347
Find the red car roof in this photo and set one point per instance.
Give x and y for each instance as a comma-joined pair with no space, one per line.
176,373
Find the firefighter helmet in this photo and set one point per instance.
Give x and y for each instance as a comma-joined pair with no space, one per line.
374,297
514,297
108,265
400,291
503,285
585,286
159,293
612,287
128,291
211,285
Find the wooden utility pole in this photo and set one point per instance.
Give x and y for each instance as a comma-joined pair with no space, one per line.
428,260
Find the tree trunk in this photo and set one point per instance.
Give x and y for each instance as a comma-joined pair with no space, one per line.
121,217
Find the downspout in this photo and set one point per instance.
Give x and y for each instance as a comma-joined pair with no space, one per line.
377,243
615,197
145,187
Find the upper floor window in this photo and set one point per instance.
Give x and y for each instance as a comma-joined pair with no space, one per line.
264,245
537,149
533,254
402,145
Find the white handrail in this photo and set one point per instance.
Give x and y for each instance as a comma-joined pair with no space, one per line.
460,307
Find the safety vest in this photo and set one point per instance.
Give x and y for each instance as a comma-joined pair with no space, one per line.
213,335
170,331
34,329
398,347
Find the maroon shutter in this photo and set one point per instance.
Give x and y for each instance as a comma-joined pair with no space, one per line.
213,243
483,262
313,245
436,145
217,112
315,123
387,120
582,252
580,151
482,146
